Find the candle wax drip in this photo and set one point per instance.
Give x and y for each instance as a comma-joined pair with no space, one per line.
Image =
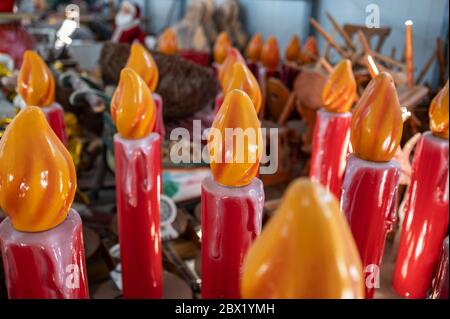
339,92
35,82
141,61
305,251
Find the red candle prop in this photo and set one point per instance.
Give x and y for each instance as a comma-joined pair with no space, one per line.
332,129
36,86
232,200
41,239
138,174
440,285
370,185
426,207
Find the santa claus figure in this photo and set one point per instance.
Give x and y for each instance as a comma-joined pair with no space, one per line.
127,28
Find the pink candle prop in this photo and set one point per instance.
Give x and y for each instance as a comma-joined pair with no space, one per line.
231,220
440,284
48,264
330,149
55,117
426,218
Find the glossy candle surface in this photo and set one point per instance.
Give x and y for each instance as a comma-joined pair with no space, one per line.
168,43
254,48
231,220
426,218
369,199
438,113
35,82
330,149
138,174
221,47
48,264
440,284
306,250
141,61
270,54
243,79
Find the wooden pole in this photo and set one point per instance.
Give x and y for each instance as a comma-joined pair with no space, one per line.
409,53
341,32
327,37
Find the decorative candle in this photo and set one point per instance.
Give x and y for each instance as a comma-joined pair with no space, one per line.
292,55
254,48
232,199
138,173
409,54
292,52
332,129
306,250
270,55
426,206
243,79
440,284
370,186
36,86
167,42
41,239
310,51
221,47
141,61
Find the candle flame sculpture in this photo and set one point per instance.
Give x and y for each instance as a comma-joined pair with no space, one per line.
305,251
235,162
141,61
35,83
254,48
270,55
221,47
168,43
293,51
439,113
339,92
132,107
376,127
37,176
226,69
243,79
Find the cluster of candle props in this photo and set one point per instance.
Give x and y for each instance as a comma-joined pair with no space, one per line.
308,248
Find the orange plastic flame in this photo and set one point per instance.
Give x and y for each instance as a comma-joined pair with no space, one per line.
143,63
167,43
377,125
306,250
37,175
254,48
221,47
235,141
339,92
310,51
226,69
35,83
243,79
132,107
293,52
439,113
270,55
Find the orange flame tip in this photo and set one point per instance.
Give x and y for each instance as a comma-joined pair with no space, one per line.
35,83
141,61
376,127
254,48
221,47
339,92
306,250
235,157
168,43
243,79
270,55
37,175
439,113
310,51
226,69
132,107
293,52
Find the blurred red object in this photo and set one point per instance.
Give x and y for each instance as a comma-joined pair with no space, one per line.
6,6
201,58
14,33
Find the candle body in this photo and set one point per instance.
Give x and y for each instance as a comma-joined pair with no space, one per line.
231,220
440,284
426,218
368,200
159,124
55,118
330,148
49,264
138,174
